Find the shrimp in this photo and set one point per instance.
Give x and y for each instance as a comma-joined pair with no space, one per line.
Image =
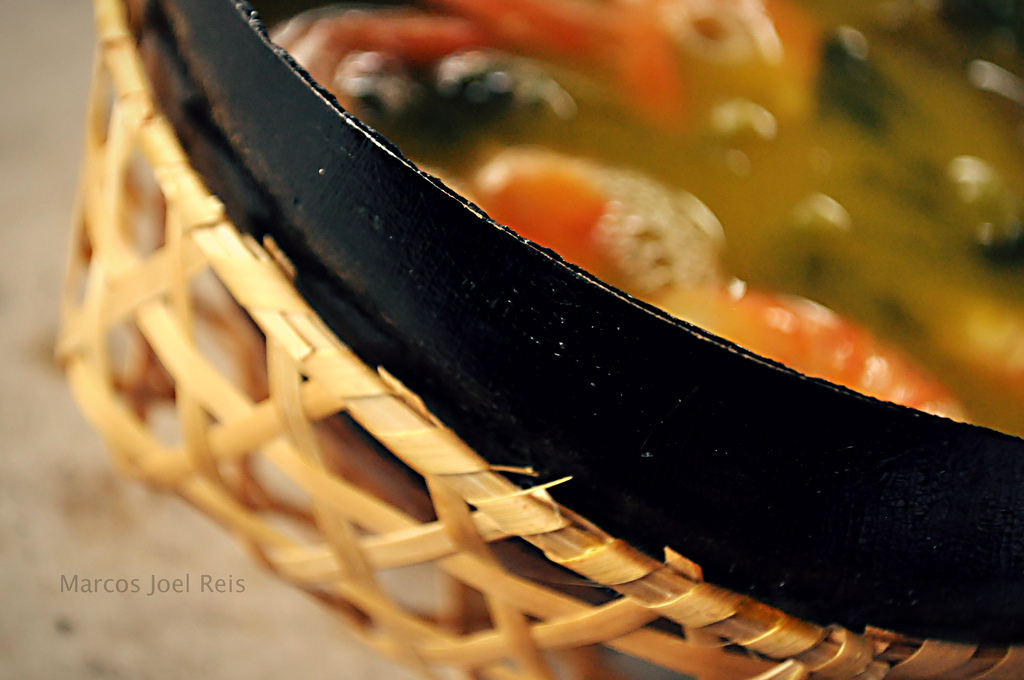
665,247
813,340
618,224
414,36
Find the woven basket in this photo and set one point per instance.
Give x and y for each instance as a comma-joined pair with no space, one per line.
331,471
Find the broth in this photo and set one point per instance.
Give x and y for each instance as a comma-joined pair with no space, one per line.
886,179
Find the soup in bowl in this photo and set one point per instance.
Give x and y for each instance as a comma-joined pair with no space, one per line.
834,186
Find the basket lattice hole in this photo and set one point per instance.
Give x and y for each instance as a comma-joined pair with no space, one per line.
580,663
265,487
352,453
143,381
526,561
565,664
163,421
417,589
624,667
144,228
464,609
226,336
356,619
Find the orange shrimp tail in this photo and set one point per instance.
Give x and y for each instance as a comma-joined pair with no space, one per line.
815,341
801,38
626,42
563,28
550,200
415,37
647,69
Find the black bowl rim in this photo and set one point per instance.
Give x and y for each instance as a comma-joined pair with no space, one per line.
828,504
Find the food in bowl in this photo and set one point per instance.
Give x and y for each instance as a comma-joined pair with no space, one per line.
732,162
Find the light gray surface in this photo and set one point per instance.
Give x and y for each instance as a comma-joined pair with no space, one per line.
62,509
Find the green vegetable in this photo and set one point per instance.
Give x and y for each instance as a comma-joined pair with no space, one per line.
851,86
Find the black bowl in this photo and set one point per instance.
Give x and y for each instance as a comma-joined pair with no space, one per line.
830,505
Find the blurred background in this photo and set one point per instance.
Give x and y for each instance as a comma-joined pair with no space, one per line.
63,510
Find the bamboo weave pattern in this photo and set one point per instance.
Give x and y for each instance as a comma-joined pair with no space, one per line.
152,255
